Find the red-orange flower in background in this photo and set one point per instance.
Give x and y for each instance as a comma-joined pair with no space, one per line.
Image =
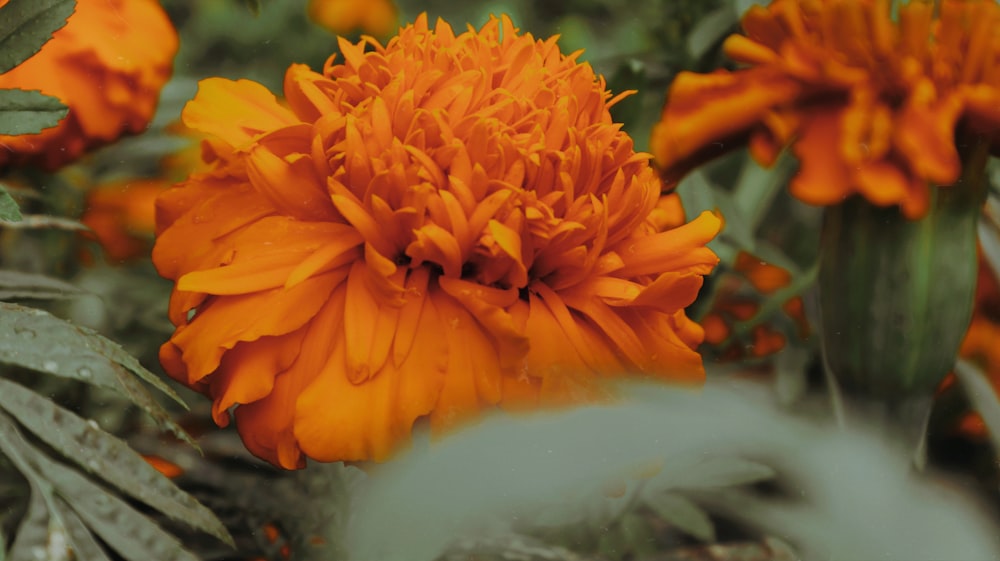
107,65
435,226
122,216
732,305
869,105
374,17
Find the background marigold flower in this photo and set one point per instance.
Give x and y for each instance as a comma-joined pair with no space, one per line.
107,65
374,17
733,304
432,227
870,106
122,216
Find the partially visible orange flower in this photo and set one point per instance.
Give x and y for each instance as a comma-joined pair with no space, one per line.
122,216
982,341
436,226
870,106
733,305
374,17
107,65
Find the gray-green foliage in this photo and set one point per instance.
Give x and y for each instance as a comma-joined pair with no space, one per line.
26,25
67,506
854,500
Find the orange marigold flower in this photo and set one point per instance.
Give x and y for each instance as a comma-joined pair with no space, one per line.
107,65
435,226
375,17
870,106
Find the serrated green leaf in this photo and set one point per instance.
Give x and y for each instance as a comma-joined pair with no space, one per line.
124,529
105,456
683,514
19,285
9,210
26,25
29,112
34,339
85,547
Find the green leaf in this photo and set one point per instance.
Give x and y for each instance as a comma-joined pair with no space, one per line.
8,206
18,285
26,25
724,472
36,340
123,528
32,538
105,456
28,112
85,547
710,30
684,515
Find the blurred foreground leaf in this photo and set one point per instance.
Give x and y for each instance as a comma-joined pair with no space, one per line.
36,340
26,25
860,504
28,112
18,285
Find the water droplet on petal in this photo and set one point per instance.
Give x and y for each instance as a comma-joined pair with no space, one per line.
25,332
84,372
51,366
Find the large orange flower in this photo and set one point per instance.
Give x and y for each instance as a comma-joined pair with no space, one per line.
871,106
435,226
107,65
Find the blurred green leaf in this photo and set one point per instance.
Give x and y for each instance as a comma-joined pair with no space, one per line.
105,456
8,206
126,530
17,285
28,112
26,25
36,340
686,516
710,30
723,471
253,6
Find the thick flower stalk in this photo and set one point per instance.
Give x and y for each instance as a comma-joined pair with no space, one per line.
870,106
432,227
107,65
